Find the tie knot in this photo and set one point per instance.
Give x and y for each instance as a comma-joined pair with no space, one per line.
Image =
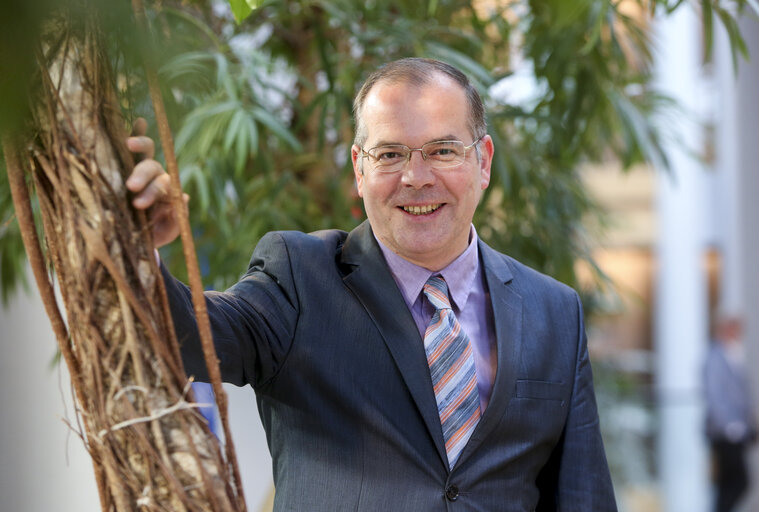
436,291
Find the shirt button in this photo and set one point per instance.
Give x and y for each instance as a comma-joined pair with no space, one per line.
452,493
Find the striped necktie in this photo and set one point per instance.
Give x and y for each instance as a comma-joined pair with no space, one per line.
451,361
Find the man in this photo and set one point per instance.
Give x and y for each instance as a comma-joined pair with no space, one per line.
406,365
730,418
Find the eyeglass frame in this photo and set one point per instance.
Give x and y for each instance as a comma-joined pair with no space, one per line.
425,156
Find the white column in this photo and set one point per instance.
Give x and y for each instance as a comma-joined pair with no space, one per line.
747,200
727,168
681,291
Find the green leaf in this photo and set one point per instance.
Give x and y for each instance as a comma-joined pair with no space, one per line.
597,27
224,78
193,176
190,64
708,22
276,126
241,9
639,131
737,44
252,133
241,149
232,129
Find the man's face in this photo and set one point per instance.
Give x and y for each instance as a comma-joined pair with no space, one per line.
399,113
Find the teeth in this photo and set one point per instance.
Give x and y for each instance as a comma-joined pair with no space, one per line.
421,210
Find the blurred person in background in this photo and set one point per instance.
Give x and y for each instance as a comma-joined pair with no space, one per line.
730,418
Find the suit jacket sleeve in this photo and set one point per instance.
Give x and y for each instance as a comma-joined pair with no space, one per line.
252,322
576,477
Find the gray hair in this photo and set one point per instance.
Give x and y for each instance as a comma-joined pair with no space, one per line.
418,71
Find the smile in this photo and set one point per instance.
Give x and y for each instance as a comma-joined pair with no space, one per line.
421,210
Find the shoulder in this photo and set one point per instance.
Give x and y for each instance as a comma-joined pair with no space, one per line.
293,257
522,279
299,244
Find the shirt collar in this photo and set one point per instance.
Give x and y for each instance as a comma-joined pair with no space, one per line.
459,274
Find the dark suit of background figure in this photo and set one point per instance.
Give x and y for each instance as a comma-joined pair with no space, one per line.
320,330
730,421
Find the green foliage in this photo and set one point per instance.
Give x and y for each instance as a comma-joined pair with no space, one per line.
260,100
12,264
20,26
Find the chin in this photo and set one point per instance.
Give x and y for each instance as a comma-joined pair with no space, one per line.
424,252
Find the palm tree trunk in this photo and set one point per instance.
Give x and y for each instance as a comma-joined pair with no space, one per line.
151,448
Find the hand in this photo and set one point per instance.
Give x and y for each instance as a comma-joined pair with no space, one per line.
151,185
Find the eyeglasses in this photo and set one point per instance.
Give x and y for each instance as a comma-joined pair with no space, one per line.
439,154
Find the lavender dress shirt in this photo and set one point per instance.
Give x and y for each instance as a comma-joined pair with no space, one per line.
470,300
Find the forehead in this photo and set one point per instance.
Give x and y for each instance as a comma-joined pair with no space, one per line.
413,114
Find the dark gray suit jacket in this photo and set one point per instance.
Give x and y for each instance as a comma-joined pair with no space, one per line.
320,330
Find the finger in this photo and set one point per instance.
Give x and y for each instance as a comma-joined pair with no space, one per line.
143,146
140,127
142,174
157,191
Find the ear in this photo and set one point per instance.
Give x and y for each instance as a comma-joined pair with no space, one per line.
358,171
486,160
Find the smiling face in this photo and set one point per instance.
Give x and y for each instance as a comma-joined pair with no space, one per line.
420,213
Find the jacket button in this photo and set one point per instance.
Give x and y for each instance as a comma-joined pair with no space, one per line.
452,493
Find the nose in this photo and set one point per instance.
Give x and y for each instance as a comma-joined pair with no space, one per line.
418,173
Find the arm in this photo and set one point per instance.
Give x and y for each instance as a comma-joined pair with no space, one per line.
576,477
251,322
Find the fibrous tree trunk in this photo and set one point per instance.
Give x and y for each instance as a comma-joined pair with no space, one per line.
151,448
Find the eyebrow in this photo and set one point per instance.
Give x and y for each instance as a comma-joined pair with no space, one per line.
394,143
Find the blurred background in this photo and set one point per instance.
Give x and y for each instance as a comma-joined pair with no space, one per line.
626,149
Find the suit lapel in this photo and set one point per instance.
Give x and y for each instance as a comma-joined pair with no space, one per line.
507,313
370,280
